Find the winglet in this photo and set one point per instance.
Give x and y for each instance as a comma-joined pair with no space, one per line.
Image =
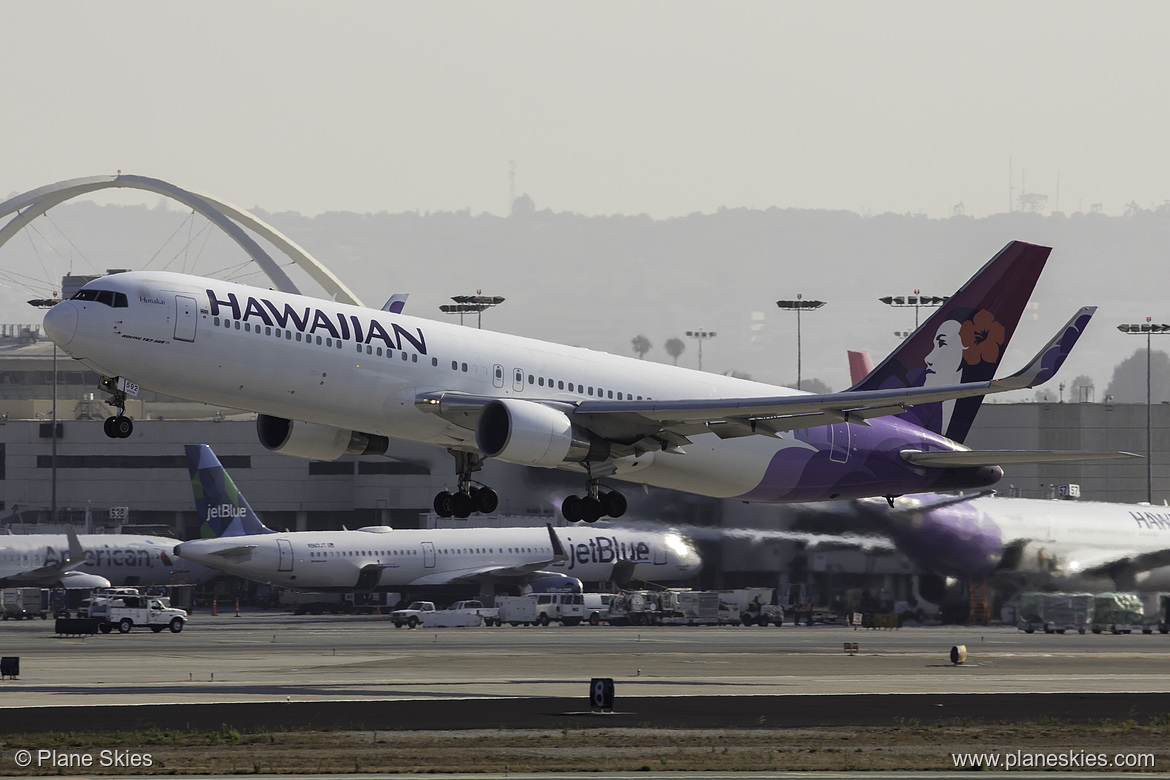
396,303
76,551
1049,359
558,549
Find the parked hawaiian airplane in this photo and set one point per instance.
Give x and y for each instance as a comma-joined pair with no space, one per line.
329,379
1031,542
92,561
382,557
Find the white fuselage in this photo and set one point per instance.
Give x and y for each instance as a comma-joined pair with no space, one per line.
123,559
355,369
311,560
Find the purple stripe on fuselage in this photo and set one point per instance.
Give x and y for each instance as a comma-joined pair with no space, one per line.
957,540
853,461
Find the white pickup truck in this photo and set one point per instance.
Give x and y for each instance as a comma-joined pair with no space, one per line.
128,611
413,614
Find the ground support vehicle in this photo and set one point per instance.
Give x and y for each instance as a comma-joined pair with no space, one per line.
1117,613
755,606
304,602
541,609
413,614
462,614
1055,612
153,612
25,603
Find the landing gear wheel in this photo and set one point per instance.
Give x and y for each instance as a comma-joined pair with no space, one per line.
108,427
590,509
614,504
123,427
462,505
443,504
571,509
486,500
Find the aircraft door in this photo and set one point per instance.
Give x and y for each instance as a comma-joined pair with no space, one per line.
839,435
498,375
518,379
286,555
428,555
186,315
659,554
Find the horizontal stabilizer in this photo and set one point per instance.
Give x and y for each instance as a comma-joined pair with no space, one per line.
973,458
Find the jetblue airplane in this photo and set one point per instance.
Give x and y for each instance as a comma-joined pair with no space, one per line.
91,561
1031,542
329,379
237,541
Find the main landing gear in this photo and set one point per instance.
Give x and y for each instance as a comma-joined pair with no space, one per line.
594,505
119,426
468,498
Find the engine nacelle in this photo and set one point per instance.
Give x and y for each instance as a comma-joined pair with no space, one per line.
315,442
533,434
83,579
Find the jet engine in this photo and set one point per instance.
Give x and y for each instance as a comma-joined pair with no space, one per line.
533,434
315,442
82,579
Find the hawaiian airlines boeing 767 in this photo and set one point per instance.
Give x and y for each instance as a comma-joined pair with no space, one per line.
329,379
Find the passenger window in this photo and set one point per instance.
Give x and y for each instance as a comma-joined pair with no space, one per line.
464,367
560,385
454,365
298,336
611,393
268,332
318,341
541,382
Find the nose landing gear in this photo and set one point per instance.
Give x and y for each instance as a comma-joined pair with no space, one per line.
119,426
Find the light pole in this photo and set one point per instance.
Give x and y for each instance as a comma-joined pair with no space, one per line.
701,335
916,301
798,306
467,304
48,303
1148,329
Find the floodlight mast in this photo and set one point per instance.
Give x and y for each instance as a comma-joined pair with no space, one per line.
798,306
701,335
917,301
1148,329
467,304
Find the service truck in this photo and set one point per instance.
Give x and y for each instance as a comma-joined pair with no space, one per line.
1117,613
462,614
127,612
1055,612
21,603
541,609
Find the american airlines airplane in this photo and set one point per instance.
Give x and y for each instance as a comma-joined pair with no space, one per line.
92,561
329,379
1031,543
382,557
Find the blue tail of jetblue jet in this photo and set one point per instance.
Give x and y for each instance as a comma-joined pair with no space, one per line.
223,508
964,340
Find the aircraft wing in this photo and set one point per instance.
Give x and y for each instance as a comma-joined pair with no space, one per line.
970,458
659,424
1094,560
49,575
237,553
478,573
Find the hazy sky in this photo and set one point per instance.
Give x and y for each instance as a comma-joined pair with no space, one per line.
664,108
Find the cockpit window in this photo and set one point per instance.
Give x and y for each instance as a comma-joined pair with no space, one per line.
110,298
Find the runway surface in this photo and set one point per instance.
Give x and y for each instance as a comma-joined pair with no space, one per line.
273,668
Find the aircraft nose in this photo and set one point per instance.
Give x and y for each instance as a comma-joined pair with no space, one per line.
61,323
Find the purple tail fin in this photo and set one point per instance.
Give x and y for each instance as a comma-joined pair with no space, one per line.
964,340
